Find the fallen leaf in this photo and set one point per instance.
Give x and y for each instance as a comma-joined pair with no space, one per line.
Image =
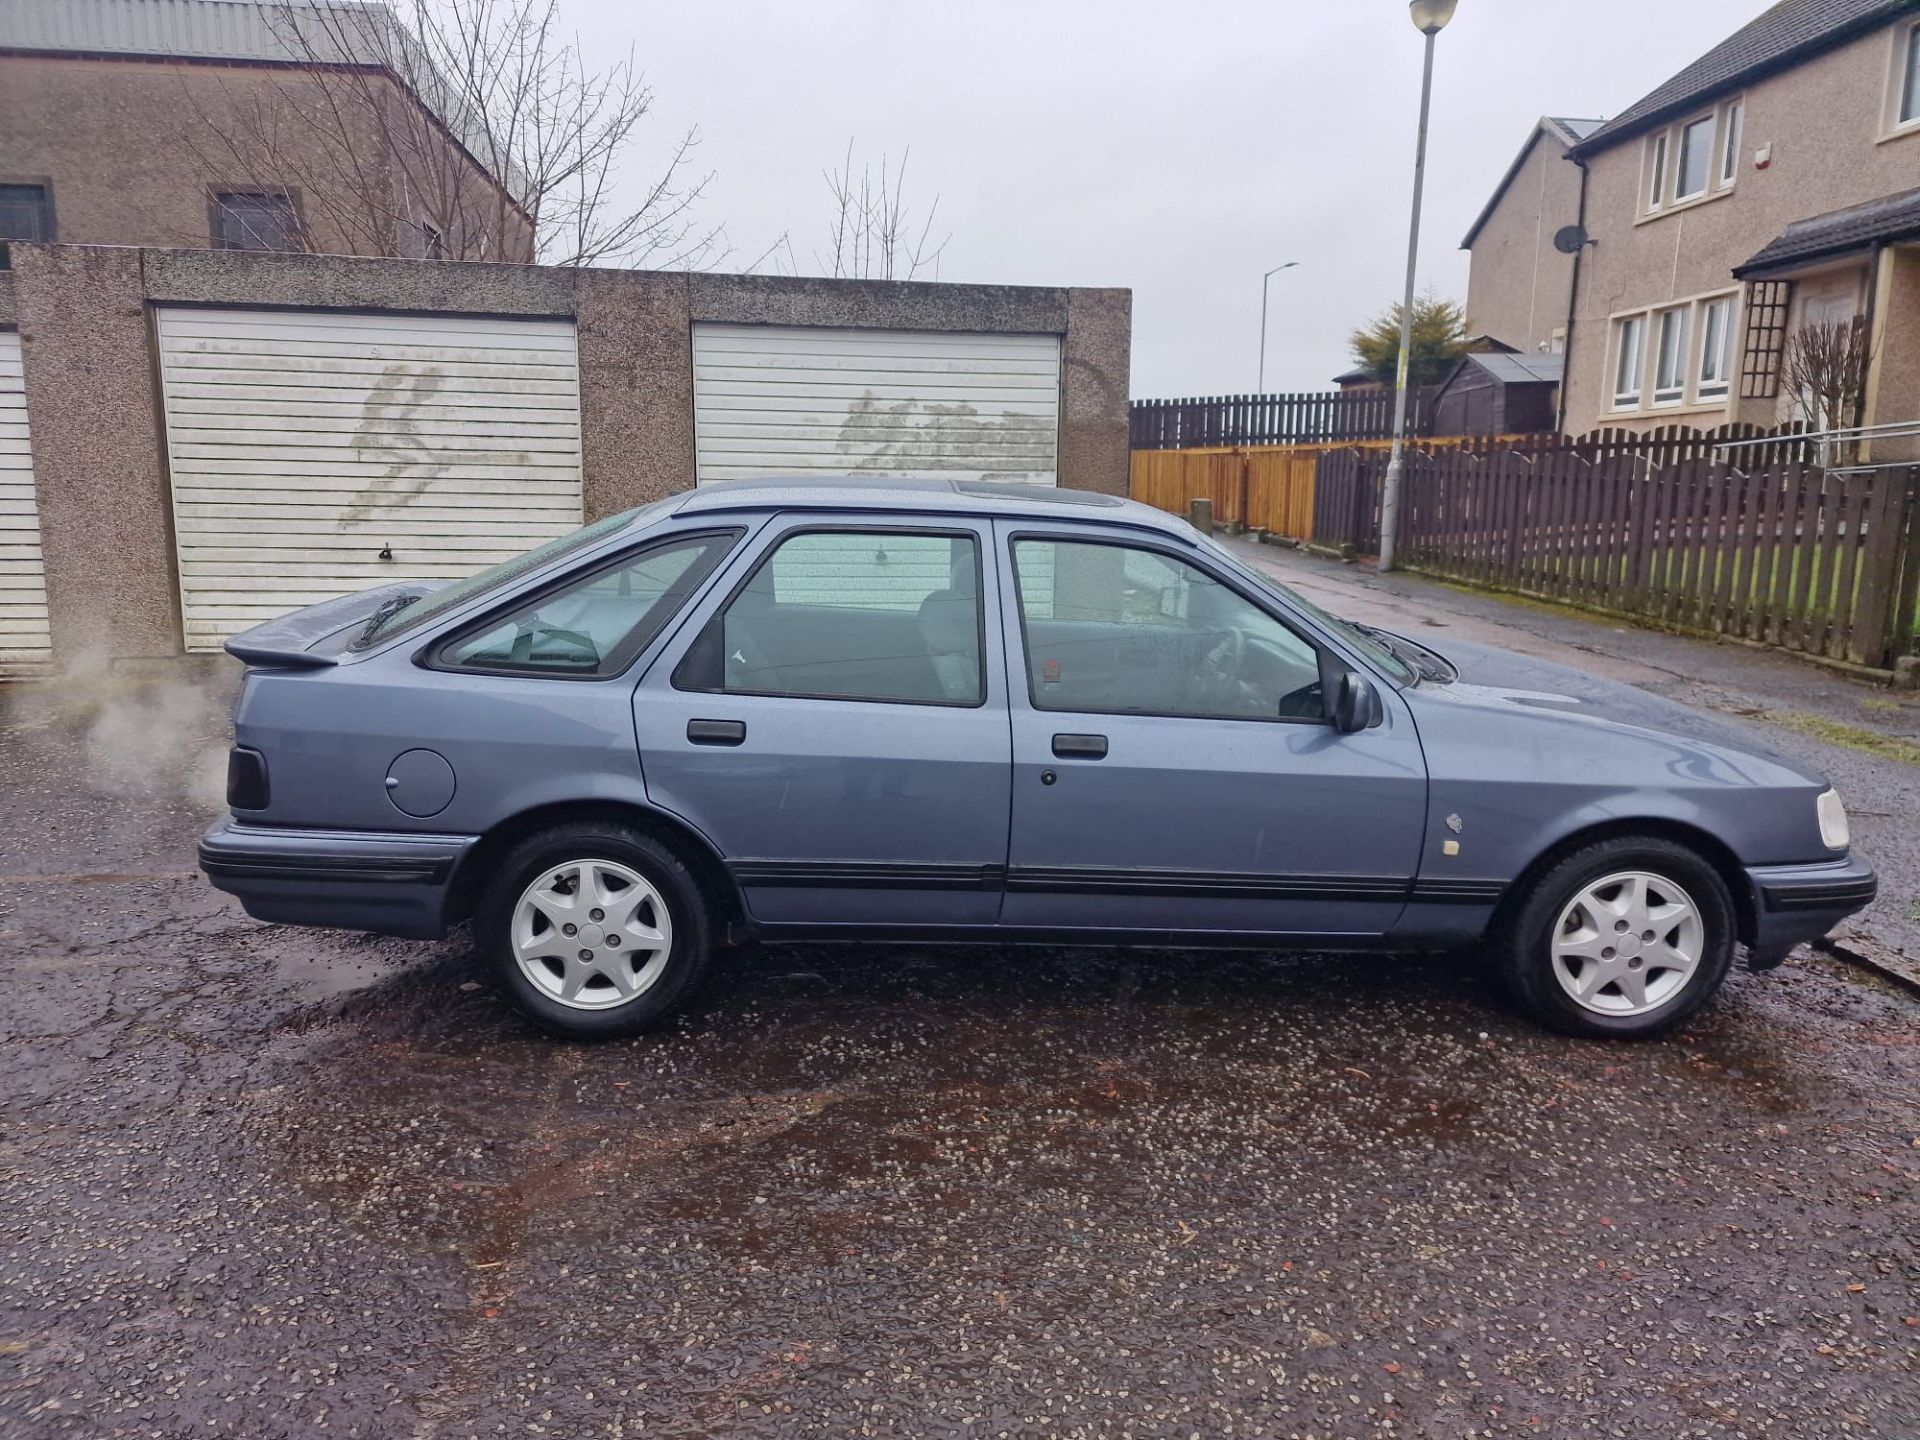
1392,1367
1856,1289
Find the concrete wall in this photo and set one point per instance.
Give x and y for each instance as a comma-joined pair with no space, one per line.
133,148
1518,285
1824,122
94,403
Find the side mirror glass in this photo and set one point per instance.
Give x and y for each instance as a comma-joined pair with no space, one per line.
1356,704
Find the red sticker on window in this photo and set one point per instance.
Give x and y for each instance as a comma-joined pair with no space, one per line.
1050,672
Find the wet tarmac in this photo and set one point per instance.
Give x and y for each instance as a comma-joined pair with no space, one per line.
264,1182
255,1181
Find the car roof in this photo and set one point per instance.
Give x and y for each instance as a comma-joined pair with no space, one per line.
953,497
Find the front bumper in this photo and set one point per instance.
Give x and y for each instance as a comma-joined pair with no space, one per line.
1797,903
392,883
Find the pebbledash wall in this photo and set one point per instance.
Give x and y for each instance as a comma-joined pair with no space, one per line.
87,321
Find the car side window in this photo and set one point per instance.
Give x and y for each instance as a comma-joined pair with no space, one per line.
1117,629
593,624
851,615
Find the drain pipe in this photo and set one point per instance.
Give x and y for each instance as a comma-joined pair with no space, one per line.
1573,301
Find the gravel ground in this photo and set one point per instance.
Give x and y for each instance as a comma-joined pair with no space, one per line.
264,1182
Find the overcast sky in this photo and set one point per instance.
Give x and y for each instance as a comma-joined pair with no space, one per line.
1177,150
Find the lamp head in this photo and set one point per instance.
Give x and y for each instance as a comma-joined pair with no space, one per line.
1431,16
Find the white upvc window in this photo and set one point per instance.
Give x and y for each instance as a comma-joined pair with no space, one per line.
1696,159
1730,142
1629,362
1692,161
1670,357
1680,354
1716,348
1908,111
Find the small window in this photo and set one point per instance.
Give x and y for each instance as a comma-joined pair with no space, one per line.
1716,348
1116,630
1629,355
1910,80
1730,149
26,213
883,615
1656,179
255,220
592,625
1670,365
1696,151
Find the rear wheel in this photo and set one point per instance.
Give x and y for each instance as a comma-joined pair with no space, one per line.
594,931
1624,938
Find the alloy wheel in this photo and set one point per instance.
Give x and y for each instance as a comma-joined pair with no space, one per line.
1627,943
591,934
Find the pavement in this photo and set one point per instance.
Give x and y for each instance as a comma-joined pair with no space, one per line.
257,1181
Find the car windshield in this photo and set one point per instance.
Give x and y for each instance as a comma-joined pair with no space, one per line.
1359,639
404,612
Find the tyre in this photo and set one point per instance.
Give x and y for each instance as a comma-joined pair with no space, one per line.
594,930
1621,939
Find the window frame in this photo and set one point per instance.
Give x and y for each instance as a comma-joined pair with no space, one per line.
981,540
1695,394
1666,396
1903,100
1720,387
48,215
1733,116
1682,150
617,662
1329,663
1619,399
1653,174
217,208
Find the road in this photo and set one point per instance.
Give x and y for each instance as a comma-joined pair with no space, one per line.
263,1182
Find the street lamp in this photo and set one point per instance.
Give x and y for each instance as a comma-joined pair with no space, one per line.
1430,18
1263,319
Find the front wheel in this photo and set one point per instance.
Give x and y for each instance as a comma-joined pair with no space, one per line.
594,931
1622,939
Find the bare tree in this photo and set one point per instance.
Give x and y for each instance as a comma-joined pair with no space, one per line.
455,129
1824,366
872,236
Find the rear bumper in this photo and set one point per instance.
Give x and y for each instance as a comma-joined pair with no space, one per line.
1797,903
350,880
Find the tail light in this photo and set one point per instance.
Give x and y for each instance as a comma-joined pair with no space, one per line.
246,779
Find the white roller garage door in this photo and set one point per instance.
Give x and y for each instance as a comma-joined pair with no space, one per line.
792,400
25,644
306,449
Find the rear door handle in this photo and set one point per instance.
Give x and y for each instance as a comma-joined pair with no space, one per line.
717,732
1080,747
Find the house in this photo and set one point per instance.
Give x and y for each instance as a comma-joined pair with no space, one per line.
1493,392
1768,187
1518,284
229,124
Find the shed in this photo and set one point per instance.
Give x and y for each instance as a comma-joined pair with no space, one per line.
1497,394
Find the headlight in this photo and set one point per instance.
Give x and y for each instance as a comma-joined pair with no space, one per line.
1833,821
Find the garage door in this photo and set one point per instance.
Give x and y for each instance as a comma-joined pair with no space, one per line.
317,453
25,644
803,400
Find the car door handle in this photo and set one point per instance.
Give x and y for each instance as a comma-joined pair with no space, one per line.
1080,747
717,732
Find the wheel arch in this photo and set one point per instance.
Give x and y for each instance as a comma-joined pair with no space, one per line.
693,848
1703,843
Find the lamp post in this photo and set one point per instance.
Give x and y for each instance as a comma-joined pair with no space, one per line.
1430,17
1263,319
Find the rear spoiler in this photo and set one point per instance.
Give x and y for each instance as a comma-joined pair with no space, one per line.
297,640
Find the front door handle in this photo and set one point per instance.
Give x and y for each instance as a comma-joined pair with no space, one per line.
1080,747
717,732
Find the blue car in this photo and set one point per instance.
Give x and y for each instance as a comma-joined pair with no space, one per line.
944,710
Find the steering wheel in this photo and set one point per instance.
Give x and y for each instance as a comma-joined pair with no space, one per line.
1220,665
526,636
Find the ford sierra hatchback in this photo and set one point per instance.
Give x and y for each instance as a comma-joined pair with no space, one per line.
943,710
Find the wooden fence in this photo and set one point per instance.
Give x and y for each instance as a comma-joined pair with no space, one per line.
1311,417
1787,553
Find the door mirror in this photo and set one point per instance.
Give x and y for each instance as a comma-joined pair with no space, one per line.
1355,704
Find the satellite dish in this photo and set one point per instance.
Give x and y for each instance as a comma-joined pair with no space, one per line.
1568,239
